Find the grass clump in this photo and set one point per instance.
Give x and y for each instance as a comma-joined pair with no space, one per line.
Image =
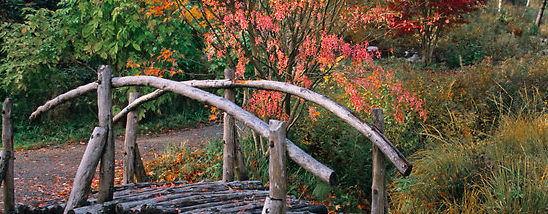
506,173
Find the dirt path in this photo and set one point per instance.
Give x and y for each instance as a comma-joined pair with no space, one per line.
47,173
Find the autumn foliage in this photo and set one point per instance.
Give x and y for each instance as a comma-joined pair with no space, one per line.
298,42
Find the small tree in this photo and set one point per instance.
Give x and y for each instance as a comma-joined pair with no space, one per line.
300,42
429,18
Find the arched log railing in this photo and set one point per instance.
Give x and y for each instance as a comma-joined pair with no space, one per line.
389,150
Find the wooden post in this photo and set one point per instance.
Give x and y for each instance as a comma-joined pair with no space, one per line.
86,169
239,166
228,134
538,21
140,172
378,191
7,142
130,141
104,103
275,202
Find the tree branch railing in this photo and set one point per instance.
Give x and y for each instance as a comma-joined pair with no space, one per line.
388,149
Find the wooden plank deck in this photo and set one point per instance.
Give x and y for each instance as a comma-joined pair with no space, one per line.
182,197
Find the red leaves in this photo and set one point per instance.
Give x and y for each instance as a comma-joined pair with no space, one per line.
441,13
267,103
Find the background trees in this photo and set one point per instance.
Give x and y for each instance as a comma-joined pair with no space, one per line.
429,18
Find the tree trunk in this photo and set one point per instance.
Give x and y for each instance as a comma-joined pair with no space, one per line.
228,134
378,190
275,203
540,13
130,141
7,143
104,103
84,176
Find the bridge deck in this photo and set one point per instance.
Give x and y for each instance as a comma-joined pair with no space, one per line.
182,197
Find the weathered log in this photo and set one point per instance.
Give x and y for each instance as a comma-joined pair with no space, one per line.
140,172
104,104
74,93
378,190
136,103
275,203
240,167
4,160
228,134
389,150
130,142
294,152
84,176
7,143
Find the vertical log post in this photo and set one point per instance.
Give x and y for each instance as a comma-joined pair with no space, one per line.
140,172
7,142
104,103
240,168
538,21
84,176
228,134
130,141
275,202
378,192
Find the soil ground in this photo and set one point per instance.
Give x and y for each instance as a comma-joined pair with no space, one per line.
47,173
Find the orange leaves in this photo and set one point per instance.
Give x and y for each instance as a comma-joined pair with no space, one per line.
215,113
313,113
165,63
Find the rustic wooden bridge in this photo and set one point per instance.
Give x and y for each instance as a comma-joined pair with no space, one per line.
208,197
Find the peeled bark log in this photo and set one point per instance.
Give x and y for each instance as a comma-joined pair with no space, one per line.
7,143
295,153
86,169
389,150
130,142
378,191
228,134
104,104
74,93
136,103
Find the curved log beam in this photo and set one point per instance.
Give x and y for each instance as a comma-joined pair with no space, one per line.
389,150
393,154
295,153
63,98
